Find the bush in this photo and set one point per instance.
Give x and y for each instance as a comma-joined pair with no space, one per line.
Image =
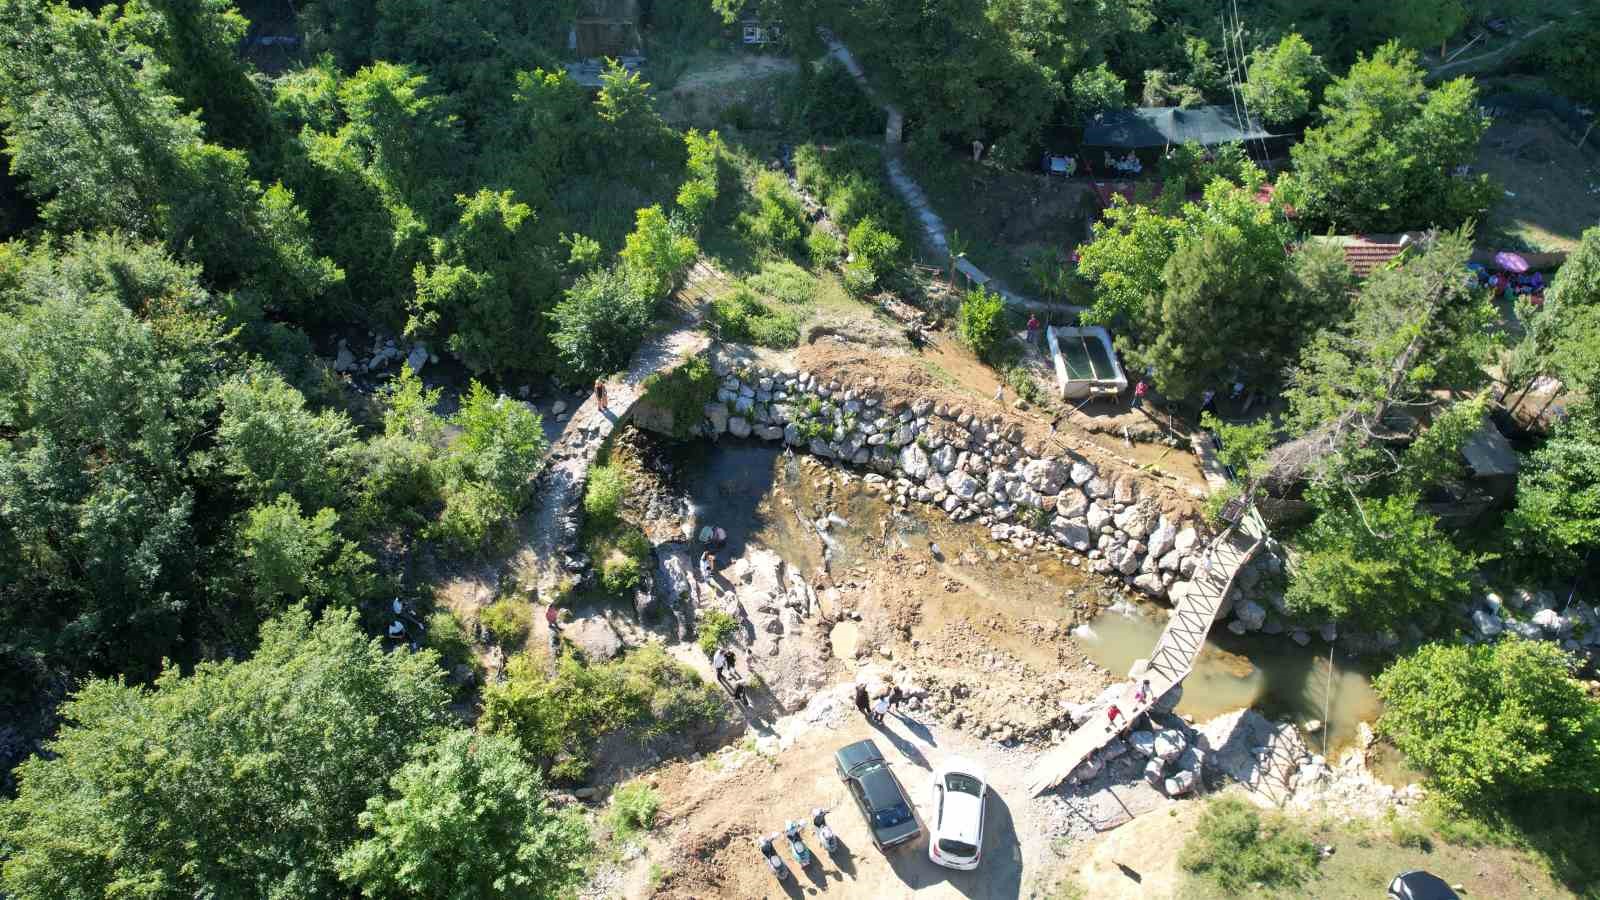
1234,847
829,103
619,575
448,638
740,316
633,809
778,223
848,179
697,197
559,719
859,279
870,242
716,627
683,392
599,323
983,321
784,281
824,247
603,495
472,515
508,622
1493,722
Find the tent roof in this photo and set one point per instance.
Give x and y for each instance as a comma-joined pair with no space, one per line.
1157,126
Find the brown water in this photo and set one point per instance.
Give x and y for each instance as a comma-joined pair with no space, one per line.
763,496
1268,672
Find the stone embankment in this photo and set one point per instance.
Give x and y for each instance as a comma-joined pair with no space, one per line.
971,466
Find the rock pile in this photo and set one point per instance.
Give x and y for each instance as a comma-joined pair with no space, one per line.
971,466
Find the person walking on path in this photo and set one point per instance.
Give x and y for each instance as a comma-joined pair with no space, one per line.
1139,390
863,702
1111,717
600,395
1034,330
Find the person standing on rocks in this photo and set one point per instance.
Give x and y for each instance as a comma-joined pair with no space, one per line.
600,395
708,560
863,702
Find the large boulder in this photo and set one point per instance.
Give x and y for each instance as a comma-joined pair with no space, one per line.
1097,517
1486,624
717,416
1186,539
1045,475
1170,743
1143,742
1071,503
1097,487
1182,782
1250,614
1081,473
944,459
1151,584
1125,559
739,427
1162,539
1553,623
914,462
1071,532
962,485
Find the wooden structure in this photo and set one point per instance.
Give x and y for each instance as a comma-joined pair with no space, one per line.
606,28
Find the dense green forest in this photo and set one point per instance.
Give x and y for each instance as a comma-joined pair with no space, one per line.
202,524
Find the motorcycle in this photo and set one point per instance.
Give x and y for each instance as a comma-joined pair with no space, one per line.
797,844
770,853
824,832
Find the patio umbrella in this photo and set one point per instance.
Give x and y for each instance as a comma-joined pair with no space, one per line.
1511,262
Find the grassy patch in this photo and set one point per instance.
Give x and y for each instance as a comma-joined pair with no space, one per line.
684,392
603,495
507,622
633,810
785,282
1237,849
742,317
716,627
559,718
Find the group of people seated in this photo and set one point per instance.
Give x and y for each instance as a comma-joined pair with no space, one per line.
1511,284
1127,165
1069,166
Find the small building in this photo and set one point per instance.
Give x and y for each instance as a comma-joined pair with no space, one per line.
606,28
758,33
1163,126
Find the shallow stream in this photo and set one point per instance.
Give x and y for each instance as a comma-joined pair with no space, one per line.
759,494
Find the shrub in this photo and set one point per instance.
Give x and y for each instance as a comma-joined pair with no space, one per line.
633,809
558,719
784,281
870,242
698,195
1493,722
778,223
829,103
600,321
824,247
716,627
859,279
508,622
683,392
473,513
602,497
1234,847
983,321
740,316
619,574
448,638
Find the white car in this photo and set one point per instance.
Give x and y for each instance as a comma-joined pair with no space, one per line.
955,834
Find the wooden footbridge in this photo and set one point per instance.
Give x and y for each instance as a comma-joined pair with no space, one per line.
1194,608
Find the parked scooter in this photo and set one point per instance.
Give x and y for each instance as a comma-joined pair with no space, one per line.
797,844
770,853
825,834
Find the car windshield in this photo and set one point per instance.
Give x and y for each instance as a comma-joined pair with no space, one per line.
890,816
965,784
957,849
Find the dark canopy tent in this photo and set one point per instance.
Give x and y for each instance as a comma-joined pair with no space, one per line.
1158,126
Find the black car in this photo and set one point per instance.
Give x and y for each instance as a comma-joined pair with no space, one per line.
1419,885
879,794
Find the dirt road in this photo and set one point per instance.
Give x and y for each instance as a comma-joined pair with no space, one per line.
718,805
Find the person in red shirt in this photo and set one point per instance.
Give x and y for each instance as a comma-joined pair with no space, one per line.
1139,390
1111,717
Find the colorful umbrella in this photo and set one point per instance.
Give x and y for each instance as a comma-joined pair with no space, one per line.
1510,262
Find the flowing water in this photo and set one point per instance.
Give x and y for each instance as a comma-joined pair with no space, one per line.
761,495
